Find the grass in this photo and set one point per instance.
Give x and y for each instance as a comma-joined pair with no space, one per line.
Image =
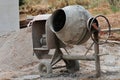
114,8
35,7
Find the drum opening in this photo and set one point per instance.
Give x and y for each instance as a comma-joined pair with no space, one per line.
58,20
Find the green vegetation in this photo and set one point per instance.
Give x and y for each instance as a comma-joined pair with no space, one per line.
114,5
114,8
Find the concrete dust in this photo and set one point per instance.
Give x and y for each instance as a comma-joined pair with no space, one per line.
15,52
18,63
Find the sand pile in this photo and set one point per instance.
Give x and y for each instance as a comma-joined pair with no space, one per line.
16,50
17,60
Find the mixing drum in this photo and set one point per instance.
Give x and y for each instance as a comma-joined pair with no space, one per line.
70,24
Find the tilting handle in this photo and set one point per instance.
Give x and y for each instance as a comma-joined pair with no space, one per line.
93,26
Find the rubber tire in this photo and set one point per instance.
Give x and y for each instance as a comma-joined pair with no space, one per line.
45,67
72,65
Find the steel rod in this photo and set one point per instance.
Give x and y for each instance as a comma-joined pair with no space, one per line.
77,57
58,67
112,30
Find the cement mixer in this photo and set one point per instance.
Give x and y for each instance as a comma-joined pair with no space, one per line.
71,25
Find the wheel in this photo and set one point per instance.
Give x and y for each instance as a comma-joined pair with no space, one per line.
72,65
45,67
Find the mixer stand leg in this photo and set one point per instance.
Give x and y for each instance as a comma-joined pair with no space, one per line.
97,57
57,56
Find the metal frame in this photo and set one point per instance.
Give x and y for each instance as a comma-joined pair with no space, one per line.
58,55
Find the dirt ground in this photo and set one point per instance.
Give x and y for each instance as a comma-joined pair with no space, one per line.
18,63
